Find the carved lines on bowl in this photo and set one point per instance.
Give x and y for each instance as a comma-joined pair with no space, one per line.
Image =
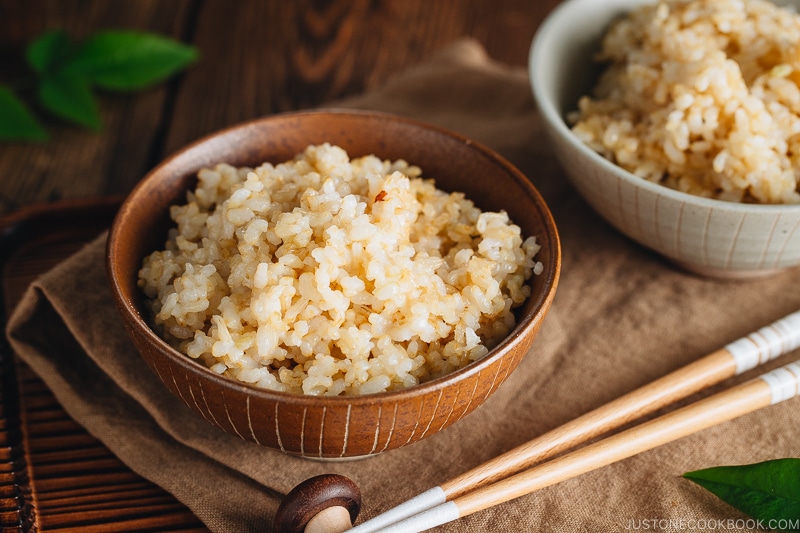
452,408
433,414
472,396
629,210
158,373
659,237
177,388
378,429
704,247
278,430
679,230
494,382
228,414
250,422
637,220
302,430
466,407
734,240
507,366
322,429
346,430
208,408
416,423
194,400
391,428
620,204
786,242
765,250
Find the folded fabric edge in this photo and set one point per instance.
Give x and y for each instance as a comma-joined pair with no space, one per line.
35,329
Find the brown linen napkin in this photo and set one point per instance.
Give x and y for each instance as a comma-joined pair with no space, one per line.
621,318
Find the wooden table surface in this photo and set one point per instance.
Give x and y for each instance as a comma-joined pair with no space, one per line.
257,57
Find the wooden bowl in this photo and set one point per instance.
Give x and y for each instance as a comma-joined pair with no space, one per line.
331,427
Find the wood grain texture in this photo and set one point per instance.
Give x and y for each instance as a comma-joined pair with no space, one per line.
257,58
76,162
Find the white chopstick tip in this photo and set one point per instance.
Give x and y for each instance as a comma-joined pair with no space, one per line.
422,502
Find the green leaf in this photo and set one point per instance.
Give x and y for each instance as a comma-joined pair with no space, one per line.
48,51
16,121
70,98
127,60
768,491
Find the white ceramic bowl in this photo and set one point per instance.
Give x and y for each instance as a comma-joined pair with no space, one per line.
709,237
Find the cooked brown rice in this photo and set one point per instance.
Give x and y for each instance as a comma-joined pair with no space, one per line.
702,96
324,275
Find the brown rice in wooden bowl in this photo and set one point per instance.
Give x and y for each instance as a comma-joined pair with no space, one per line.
333,284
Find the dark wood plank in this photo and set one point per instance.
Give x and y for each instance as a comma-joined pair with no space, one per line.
76,162
284,56
260,58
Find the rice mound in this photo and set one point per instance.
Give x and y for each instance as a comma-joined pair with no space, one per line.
701,96
327,276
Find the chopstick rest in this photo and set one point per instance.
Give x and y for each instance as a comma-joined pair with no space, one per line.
771,388
746,353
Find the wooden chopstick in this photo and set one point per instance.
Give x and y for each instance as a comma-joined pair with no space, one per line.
746,353
768,389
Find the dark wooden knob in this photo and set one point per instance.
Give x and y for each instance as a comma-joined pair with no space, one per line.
314,495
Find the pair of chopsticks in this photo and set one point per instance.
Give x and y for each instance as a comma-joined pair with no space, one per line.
504,478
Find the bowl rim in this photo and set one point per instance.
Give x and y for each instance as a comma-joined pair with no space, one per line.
551,274
550,32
